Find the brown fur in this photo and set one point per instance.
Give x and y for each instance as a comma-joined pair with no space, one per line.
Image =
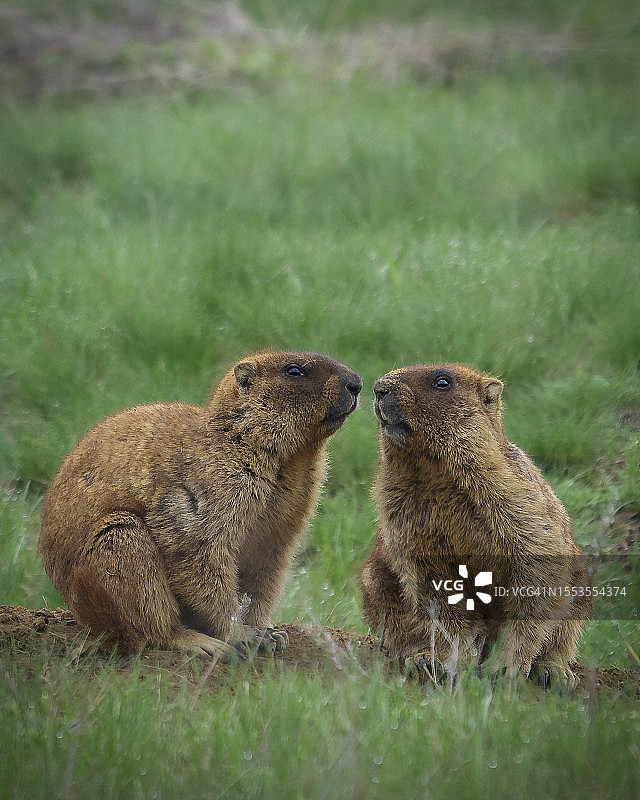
166,518
451,490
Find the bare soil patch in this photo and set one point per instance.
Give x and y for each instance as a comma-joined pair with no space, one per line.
200,47
313,649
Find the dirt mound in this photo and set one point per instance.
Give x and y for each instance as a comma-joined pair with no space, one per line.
311,648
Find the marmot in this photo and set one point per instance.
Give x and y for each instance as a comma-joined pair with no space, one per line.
456,500
167,518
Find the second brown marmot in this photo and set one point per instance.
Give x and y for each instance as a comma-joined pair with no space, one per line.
456,500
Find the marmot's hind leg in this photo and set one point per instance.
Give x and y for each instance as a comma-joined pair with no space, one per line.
120,591
559,649
432,640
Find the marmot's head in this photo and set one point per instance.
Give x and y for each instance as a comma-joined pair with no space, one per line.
285,400
442,411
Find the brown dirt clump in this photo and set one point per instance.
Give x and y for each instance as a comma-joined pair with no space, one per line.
312,649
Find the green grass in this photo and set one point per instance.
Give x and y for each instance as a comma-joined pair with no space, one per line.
397,226
366,735
146,242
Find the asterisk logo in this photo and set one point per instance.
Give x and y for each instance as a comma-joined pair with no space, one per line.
481,579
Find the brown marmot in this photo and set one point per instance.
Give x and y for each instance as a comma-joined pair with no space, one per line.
457,500
169,524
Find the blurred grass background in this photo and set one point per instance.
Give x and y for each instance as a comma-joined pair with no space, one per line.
389,183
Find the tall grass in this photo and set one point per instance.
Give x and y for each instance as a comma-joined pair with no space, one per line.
365,735
397,226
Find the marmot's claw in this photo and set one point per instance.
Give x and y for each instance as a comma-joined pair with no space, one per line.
544,678
242,650
281,638
270,640
561,676
424,667
267,646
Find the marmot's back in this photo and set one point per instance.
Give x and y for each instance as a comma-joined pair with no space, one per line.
118,465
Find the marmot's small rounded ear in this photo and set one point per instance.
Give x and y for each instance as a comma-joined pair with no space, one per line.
245,373
491,390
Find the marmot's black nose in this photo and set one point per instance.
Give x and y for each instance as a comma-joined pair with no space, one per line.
382,387
354,385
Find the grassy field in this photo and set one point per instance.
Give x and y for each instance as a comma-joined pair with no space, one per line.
485,213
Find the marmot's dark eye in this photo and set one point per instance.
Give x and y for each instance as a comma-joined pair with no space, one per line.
294,371
442,383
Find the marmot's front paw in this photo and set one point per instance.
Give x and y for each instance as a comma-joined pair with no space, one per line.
281,639
562,676
269,640
424,667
